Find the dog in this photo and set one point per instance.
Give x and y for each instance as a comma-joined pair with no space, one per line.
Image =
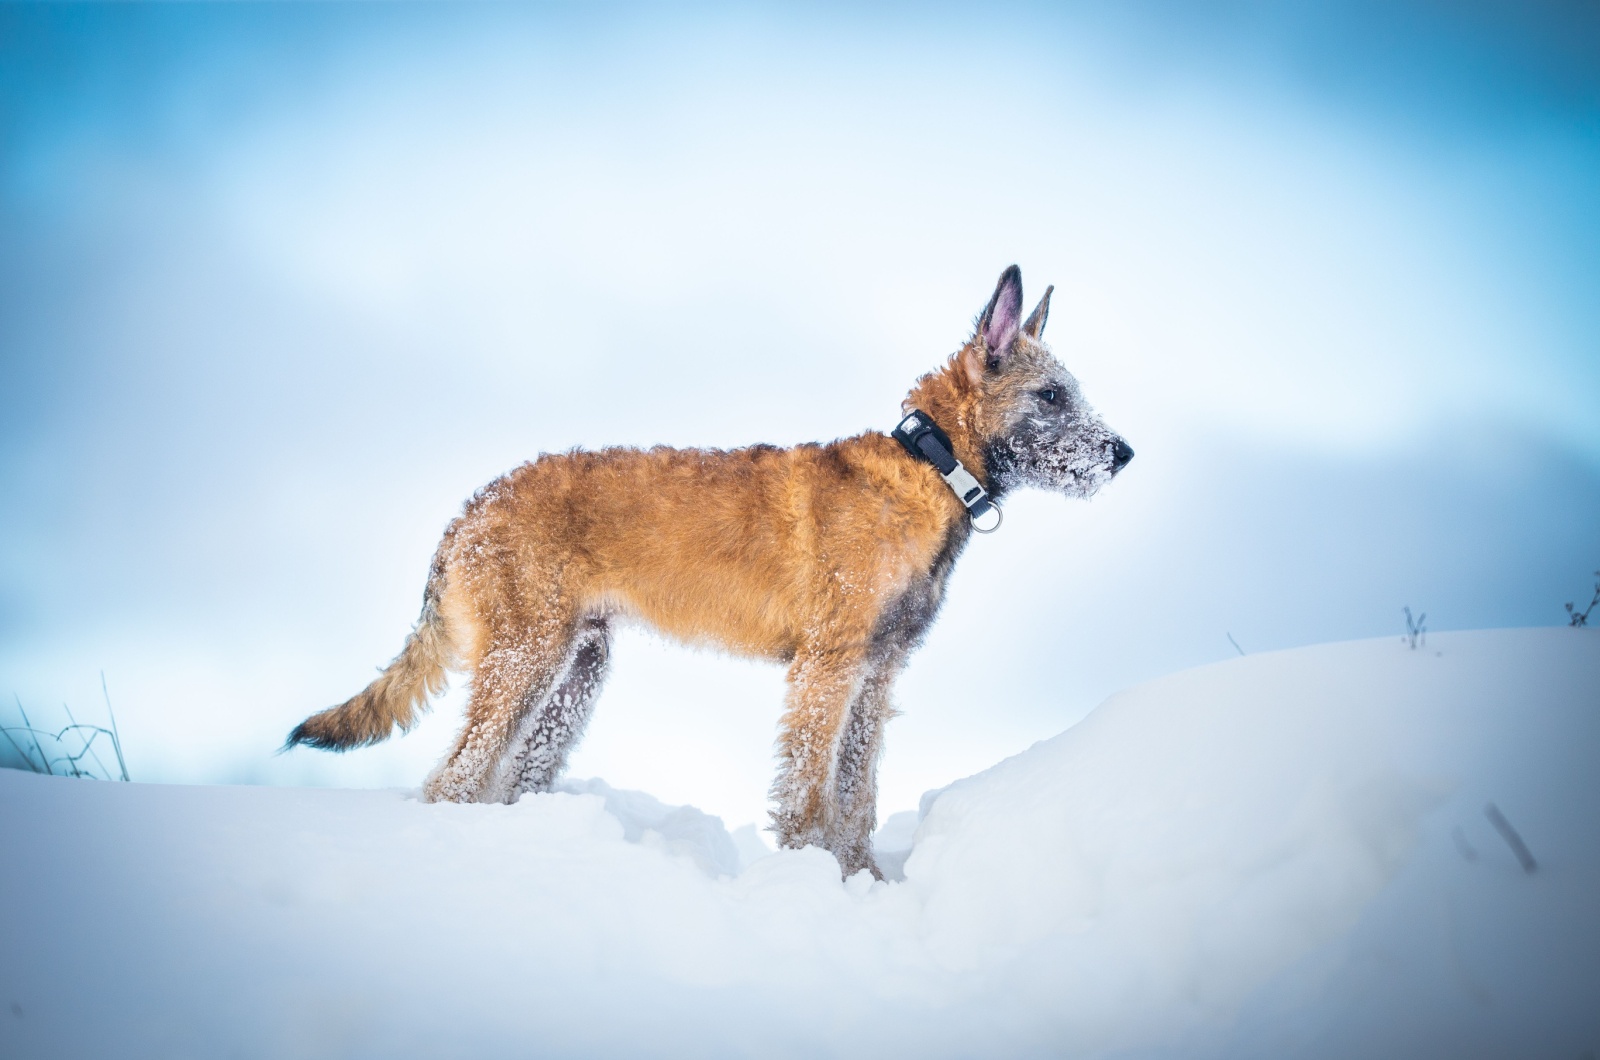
829,558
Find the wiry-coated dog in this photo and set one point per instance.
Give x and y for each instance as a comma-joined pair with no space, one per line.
830,558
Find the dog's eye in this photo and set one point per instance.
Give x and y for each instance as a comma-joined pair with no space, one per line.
1048,395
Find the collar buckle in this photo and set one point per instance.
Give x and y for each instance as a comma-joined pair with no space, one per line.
923,439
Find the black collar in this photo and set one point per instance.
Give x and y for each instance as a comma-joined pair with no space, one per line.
924,440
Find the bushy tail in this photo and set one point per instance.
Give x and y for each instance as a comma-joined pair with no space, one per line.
399,694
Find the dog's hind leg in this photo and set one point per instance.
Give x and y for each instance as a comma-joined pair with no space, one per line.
551,729
822,685
516,669
857,769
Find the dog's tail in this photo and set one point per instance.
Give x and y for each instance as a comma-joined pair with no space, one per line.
399,695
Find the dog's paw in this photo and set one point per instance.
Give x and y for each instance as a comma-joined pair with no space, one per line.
854,858
445,788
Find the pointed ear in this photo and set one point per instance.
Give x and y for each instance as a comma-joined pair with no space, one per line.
1033,327
999,320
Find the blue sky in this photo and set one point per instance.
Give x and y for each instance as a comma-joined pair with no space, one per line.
281,285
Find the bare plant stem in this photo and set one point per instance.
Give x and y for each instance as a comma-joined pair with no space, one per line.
1416,629
1513,840
116,740
36,744
1578,619
18,747
88,742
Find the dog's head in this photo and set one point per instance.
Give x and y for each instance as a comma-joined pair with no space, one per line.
1036,428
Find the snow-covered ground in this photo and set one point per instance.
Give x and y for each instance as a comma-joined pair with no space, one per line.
1280,855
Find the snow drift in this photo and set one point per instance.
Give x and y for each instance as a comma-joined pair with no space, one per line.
1280,855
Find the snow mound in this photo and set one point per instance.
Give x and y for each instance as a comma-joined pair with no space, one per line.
1283,855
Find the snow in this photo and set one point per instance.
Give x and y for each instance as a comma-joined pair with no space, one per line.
1280,855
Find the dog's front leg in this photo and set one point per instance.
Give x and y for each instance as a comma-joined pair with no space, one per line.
822,685
857,770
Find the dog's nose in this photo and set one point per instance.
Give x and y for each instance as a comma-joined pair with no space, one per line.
1121,453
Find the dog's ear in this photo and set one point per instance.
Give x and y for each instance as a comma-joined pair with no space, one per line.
997,325
1033,327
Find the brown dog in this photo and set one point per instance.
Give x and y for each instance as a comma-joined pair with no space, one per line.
830,558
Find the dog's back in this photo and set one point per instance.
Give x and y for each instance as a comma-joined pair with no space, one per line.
745,549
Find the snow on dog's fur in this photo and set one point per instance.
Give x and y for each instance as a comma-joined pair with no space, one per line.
830,558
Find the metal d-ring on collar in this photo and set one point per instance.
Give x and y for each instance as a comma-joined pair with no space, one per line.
924,440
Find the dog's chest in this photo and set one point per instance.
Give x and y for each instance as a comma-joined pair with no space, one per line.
905,622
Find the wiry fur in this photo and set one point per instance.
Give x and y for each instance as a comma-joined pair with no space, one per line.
830,558
400,693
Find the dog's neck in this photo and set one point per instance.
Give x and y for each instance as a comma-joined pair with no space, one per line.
956,405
